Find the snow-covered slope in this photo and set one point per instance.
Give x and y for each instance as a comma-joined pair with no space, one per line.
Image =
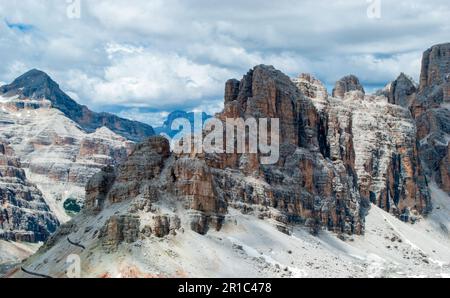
250,247
12,253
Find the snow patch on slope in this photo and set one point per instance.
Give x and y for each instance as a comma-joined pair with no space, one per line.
12,253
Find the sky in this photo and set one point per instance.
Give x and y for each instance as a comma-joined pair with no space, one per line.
142,59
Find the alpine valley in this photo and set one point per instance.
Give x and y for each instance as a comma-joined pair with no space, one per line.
361,188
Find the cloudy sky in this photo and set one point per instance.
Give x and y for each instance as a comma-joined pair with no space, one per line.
144,58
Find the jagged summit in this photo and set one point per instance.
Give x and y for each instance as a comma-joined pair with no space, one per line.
346,84
36,84
401,91
334,161
33,84
435,66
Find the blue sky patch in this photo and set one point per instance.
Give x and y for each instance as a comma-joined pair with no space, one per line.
22,27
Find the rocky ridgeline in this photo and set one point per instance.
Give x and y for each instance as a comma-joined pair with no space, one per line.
157,193
378,140
37,86
60,145
57,154
429,103
431,109
24,215
338,154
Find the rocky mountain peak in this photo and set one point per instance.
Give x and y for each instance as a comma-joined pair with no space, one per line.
37,85
268,93
310,86
401,91
346,84
430,109
34,83
435,66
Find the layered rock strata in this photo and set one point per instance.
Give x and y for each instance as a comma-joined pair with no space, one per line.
24,215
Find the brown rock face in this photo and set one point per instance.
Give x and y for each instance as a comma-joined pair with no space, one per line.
443,176
260,95
24,215
431,111
377,141
119,229
330,166
151,177
162,225
346,84
303,186
231,90
435,66
194,181
144,164
265,92
98,188
401,92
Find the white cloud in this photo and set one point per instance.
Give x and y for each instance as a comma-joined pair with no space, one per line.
16,68
209,107
140,78
153,118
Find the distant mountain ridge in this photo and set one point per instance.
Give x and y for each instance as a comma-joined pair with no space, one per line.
166,128
36,84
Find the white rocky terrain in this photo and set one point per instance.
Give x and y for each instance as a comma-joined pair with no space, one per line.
380,139
58,155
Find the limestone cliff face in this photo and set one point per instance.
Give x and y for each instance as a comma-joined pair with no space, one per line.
152,180
24,215
337,155
58,156
429,105
378,141
432,113
304,186
443,176
401,92
170,192
435,67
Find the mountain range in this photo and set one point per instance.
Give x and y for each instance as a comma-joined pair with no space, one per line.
51,146
361,187
37,85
